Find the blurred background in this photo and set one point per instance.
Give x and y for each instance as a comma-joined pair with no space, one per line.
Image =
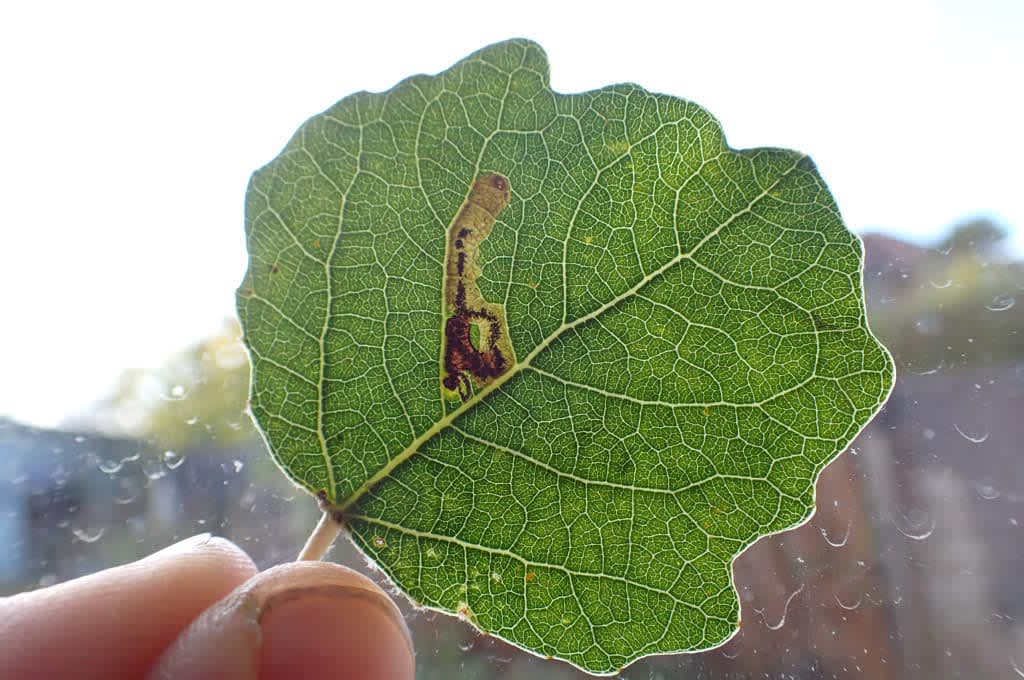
122,407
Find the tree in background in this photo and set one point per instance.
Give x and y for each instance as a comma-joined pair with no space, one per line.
950,305
196,399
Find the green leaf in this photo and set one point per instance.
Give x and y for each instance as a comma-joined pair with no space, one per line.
660,343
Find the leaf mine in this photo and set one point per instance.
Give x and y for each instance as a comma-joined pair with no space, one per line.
492,354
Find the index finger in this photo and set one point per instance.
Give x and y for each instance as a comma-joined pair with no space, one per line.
117,622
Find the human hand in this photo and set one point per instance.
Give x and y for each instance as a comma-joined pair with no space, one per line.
198,610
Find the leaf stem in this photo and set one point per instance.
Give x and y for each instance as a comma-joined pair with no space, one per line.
322,538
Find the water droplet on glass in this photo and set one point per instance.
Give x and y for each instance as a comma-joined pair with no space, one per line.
238,465
929,433
192,421
177,393
974,439
156,474
987,491
847,607
87,536
930,371
785,610
915,533
842,541
126,499
944,284
47,580
173,460
114,466
79,438
111,467
1000,303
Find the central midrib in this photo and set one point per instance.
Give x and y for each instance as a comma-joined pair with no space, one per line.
447,420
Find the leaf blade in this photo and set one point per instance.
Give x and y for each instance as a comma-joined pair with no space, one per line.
690,334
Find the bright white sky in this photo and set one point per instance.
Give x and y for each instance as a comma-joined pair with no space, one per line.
128,132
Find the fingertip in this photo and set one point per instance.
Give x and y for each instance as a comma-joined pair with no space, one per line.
117,622
217,557
336,624
304,619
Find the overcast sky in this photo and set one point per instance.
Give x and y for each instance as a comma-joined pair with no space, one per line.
128,134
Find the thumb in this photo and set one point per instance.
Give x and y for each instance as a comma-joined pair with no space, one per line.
304,619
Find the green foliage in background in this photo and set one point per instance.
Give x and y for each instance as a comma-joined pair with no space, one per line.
688,325
952,306
196,399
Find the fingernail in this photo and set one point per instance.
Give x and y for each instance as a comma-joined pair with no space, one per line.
327,622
